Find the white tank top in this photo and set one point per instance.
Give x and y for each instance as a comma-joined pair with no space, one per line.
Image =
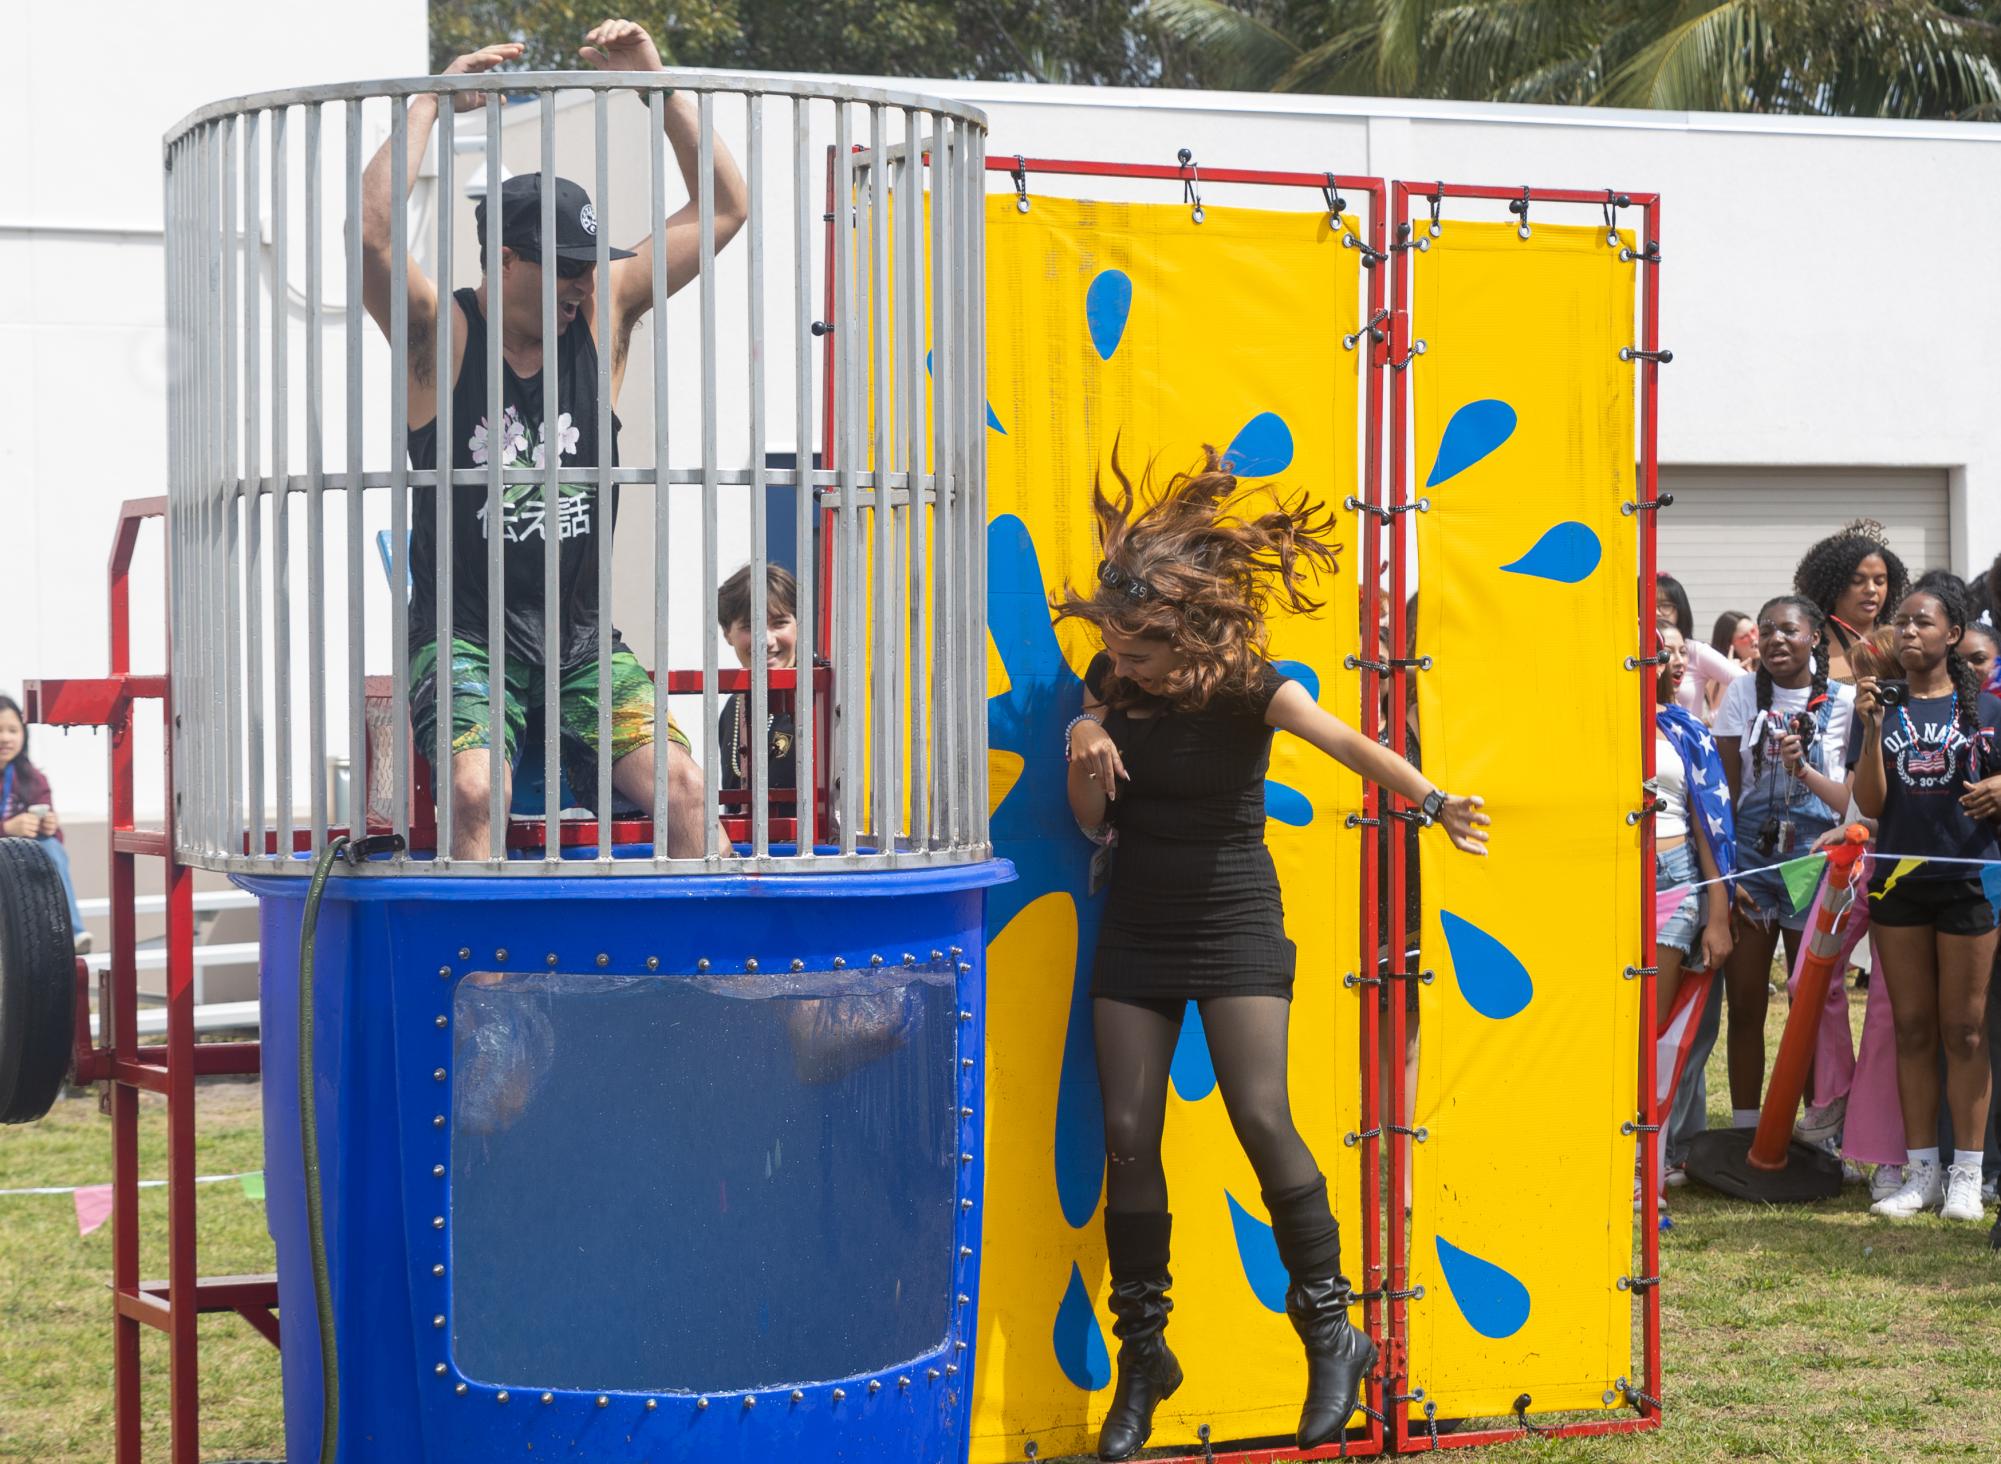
1672,821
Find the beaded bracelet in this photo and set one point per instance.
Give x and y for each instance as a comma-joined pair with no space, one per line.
1081,717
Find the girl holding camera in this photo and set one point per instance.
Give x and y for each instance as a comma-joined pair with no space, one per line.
1784,739
1923,744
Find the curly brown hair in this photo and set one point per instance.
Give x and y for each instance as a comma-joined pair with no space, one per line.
1207,568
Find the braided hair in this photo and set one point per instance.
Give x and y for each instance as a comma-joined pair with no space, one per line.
1825,569
1965,680
1818,690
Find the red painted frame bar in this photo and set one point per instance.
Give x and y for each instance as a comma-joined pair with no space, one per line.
170,1068
1370,1440
1405,1437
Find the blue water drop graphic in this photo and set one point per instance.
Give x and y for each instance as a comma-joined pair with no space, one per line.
993,418
1494,983
1493,1302
1287,805
1258,1250
1475,430
1106,305
1191,1071
1304,674
1566,553
1078,1340
1262,447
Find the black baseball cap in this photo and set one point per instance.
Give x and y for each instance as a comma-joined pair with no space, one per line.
521,220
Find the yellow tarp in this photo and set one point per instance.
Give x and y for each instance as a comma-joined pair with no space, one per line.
1132,321
1527,575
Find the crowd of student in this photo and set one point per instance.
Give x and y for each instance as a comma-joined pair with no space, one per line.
1857,694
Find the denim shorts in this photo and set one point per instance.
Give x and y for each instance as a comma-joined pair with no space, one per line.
1681,929
1767,887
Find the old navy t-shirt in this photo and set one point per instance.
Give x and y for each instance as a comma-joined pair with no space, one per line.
1927,761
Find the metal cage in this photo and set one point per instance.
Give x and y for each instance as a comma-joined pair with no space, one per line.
291,494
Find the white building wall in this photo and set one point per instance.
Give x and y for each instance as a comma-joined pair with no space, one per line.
83,360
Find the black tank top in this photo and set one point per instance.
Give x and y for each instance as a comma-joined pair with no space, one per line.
576,360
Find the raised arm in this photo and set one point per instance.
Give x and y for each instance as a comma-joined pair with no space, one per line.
378,204
1292,710
623,45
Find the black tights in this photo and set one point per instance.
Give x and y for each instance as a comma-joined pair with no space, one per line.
1247,1046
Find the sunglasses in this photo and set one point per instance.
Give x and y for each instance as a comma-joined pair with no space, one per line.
1131,586
567,269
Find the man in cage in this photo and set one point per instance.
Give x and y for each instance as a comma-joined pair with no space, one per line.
515,429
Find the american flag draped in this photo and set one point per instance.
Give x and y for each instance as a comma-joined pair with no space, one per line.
1708,789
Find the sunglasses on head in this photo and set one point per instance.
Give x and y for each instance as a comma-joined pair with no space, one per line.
1131,586
567,269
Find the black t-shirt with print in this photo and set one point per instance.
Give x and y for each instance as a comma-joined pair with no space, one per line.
518,441
1927,762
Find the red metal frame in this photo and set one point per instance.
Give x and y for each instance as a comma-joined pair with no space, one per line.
1370,1440
1406,1434
124,1067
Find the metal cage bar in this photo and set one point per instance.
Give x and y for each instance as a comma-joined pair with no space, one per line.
888,729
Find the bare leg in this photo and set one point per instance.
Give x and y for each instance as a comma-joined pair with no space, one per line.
687,805
1747,984
1667,982
1910,964
471,826
1964,965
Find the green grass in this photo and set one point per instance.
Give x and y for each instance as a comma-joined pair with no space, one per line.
1816,1334
55,1306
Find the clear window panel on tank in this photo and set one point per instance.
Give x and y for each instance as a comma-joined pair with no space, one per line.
701,1183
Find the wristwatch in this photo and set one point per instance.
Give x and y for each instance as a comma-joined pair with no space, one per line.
1433,805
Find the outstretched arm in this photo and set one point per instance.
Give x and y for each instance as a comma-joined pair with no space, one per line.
378,205
622,45
1292,710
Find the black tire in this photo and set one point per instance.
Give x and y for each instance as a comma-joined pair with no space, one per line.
37,982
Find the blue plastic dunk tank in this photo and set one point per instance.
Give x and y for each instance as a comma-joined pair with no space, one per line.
634,1169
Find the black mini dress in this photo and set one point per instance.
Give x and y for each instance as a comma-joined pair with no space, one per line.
1193,909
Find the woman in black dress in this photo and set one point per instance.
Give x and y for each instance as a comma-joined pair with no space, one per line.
1168,762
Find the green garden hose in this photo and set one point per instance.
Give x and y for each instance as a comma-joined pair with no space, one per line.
309,1148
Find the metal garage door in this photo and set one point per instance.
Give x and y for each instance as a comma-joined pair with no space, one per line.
1734,535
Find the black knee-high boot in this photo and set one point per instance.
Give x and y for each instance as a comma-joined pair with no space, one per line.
1136,1243
1338,1354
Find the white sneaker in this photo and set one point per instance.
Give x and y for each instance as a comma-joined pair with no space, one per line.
1922,1189
1676,1176
1639,1198
1817,1125
1886,1181
1962,1193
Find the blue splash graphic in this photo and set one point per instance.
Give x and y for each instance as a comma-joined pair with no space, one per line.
1493,1302
1288,805
1494,983
1079,1341
1106,305
1262,447
1566,553
993,418
1033,827
1191,1071
1475,430
1304,674
1259,1252
1990,884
